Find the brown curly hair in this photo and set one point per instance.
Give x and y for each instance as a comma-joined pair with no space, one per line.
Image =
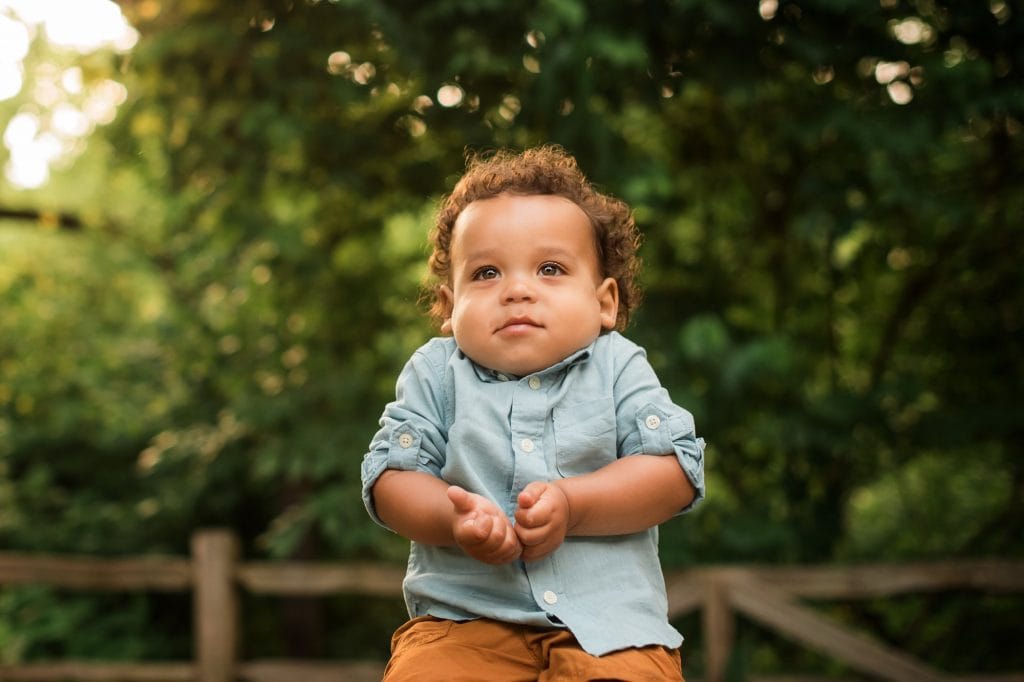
548,169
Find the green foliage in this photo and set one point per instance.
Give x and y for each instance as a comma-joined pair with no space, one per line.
832,278
37,622
91,367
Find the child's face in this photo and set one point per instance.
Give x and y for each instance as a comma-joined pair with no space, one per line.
526,289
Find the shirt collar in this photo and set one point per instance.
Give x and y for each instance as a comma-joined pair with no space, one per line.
493,376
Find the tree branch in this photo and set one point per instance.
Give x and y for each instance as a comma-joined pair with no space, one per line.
58,219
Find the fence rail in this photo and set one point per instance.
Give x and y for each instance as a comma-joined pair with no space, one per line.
215,575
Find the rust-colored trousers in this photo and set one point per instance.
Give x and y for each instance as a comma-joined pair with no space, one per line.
433,650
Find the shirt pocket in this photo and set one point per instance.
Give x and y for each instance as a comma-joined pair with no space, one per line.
585,436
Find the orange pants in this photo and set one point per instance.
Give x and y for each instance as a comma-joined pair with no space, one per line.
430,649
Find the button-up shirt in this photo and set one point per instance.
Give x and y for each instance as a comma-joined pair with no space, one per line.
494,434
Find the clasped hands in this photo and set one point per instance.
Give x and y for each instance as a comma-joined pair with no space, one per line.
482,530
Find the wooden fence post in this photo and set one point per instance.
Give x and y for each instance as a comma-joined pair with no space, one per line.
719,627
215,604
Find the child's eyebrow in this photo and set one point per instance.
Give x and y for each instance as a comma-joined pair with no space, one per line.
482,254
557,252
540,252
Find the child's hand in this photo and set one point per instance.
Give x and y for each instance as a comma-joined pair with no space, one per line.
481,529
542,519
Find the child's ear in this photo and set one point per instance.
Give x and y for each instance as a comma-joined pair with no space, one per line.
447,300
608,298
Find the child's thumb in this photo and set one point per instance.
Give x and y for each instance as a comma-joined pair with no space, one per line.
460,499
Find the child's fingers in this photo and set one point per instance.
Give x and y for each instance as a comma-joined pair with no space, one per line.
509,550
529,537
530,511
489,539
478,528
537,543
528,517
503,545
481,529
531,494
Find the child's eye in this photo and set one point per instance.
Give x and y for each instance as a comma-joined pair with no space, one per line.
486,272
551,269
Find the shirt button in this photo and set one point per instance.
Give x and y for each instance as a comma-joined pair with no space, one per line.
405,440
653,421
534,383
501,377
526,445
550,597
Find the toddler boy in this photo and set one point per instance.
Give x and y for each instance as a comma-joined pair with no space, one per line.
531,452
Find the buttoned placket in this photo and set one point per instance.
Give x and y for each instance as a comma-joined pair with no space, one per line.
528,418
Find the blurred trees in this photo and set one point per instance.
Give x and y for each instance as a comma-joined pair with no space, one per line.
829,193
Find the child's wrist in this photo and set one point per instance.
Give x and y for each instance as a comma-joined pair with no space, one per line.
570,518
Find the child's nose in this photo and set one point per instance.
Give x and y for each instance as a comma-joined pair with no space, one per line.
517,288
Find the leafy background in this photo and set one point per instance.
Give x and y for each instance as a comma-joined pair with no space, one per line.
205,311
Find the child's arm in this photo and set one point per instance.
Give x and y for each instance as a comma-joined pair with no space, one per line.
627,496
424,508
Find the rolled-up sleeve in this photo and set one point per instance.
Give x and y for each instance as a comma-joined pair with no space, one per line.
651,424
412,436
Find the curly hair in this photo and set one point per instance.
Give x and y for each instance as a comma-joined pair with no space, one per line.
551,170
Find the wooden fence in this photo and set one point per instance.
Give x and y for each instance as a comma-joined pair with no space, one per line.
214,575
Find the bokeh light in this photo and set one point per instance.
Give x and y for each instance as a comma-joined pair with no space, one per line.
63,109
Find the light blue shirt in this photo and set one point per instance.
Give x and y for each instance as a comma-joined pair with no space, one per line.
495,434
